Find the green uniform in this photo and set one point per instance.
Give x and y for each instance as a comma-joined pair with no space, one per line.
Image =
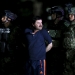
69,46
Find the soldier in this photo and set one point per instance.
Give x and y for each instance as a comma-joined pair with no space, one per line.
69,44
6,29
9,41
56,27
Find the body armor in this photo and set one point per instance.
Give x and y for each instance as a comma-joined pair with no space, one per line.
4,33
56,35
55,32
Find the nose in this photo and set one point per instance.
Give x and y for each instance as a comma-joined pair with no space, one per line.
41,24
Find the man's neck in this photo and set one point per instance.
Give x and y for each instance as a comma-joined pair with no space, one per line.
35,31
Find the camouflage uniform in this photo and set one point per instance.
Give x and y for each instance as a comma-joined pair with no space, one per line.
69,46
66,23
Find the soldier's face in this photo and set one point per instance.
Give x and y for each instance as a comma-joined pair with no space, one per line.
5,19
71,17
53,16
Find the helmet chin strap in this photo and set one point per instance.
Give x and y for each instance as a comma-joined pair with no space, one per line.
6,20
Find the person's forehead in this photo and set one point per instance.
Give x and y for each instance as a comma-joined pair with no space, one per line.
40,20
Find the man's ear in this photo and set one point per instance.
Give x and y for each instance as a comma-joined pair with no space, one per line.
32,24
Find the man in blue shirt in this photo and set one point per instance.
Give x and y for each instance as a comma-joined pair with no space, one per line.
36,38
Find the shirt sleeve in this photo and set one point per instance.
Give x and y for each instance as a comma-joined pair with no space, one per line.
46,35
26,30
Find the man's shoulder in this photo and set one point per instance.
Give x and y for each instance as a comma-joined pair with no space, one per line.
27,30
44,31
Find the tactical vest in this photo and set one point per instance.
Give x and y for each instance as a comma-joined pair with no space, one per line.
4,33
55,31
56,35
69,37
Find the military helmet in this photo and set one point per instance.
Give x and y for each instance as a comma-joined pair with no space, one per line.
10,15
72,10
68,6
59,10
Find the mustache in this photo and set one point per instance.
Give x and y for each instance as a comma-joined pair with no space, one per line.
41,26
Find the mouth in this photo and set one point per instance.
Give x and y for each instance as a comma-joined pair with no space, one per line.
40,26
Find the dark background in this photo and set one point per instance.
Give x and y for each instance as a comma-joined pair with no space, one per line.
55,58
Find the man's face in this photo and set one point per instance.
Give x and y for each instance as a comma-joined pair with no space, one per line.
5,19
38,24
71,17
53,16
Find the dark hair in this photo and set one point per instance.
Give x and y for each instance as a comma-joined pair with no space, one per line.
36,18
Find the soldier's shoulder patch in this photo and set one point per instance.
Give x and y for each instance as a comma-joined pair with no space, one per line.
66,23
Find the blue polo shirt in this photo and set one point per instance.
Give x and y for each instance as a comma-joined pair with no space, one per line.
36,43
